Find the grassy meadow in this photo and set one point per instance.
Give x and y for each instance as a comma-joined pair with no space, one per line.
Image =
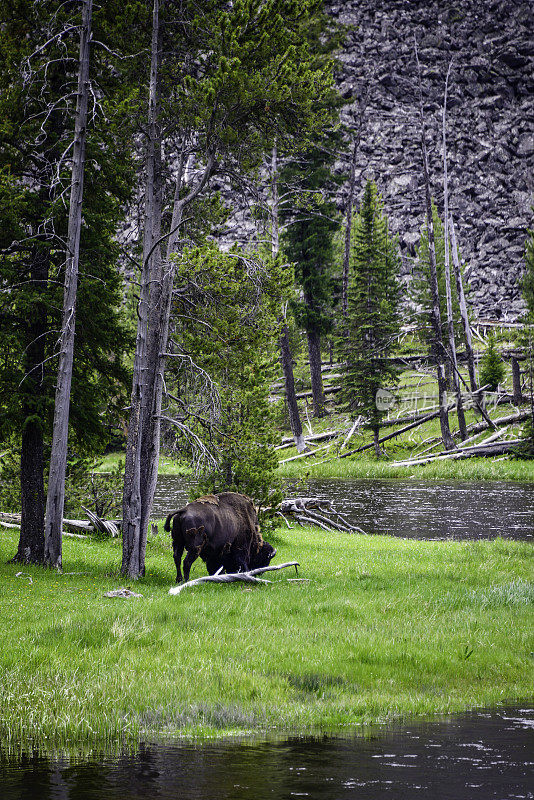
379,628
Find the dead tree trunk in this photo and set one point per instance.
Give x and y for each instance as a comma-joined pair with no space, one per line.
438,347
132,529
289,383
58,459
463,308
314,352
142,454
448,292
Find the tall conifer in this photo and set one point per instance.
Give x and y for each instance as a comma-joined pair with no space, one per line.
373,320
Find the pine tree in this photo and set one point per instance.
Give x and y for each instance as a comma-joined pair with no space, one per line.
491,367
308,242
373,320
224,358
527,283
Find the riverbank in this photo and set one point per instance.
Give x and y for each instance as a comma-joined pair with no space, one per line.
379,628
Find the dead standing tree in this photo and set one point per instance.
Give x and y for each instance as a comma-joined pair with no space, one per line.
438,345
448,293
58,458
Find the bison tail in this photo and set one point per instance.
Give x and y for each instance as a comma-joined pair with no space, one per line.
167,525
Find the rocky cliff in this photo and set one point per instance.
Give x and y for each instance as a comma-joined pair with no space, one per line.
490,125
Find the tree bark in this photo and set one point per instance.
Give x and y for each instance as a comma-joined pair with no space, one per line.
32,465
133,532
314,352
438,347
58,459
289,382
516,380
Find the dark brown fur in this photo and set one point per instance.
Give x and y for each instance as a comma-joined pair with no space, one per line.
223,530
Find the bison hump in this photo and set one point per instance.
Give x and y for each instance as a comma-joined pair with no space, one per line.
208,498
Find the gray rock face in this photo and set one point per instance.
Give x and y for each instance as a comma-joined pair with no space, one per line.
490,125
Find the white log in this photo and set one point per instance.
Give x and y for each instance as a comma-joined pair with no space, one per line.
233,577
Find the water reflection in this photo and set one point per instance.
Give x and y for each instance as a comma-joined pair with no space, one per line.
411,508
477,755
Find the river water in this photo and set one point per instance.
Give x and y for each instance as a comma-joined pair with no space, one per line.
410,508
477,756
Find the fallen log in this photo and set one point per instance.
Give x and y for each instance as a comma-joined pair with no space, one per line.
102,525
313,511
233,577
484,451
288,441
63,533
307,454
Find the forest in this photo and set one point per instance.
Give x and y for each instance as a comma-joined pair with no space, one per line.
195,278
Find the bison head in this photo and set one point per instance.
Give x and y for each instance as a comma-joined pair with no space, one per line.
264,555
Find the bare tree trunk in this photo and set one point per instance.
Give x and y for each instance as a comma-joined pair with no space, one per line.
143,446
31,542
285,350
463,308
450,320
314,352
439,349
58,459
32,464
516,381
133,532
291,397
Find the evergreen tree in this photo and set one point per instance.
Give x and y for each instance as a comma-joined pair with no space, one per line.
491,367
223,359
311,221
39,45
527,283
373,320
227,81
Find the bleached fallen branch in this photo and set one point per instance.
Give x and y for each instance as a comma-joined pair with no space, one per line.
313,511
233,577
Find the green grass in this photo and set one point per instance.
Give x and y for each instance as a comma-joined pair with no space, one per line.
166,466
385,628
365,466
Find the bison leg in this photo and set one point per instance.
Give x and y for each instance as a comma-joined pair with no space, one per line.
177,554
236,562
189,560
213,564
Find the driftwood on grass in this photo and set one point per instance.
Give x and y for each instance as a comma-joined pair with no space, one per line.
122,592
63,533
102,525
233,577
315,511
486,450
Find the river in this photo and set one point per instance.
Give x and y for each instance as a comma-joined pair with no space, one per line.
409,508
476,756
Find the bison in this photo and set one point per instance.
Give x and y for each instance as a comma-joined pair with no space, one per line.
223,530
